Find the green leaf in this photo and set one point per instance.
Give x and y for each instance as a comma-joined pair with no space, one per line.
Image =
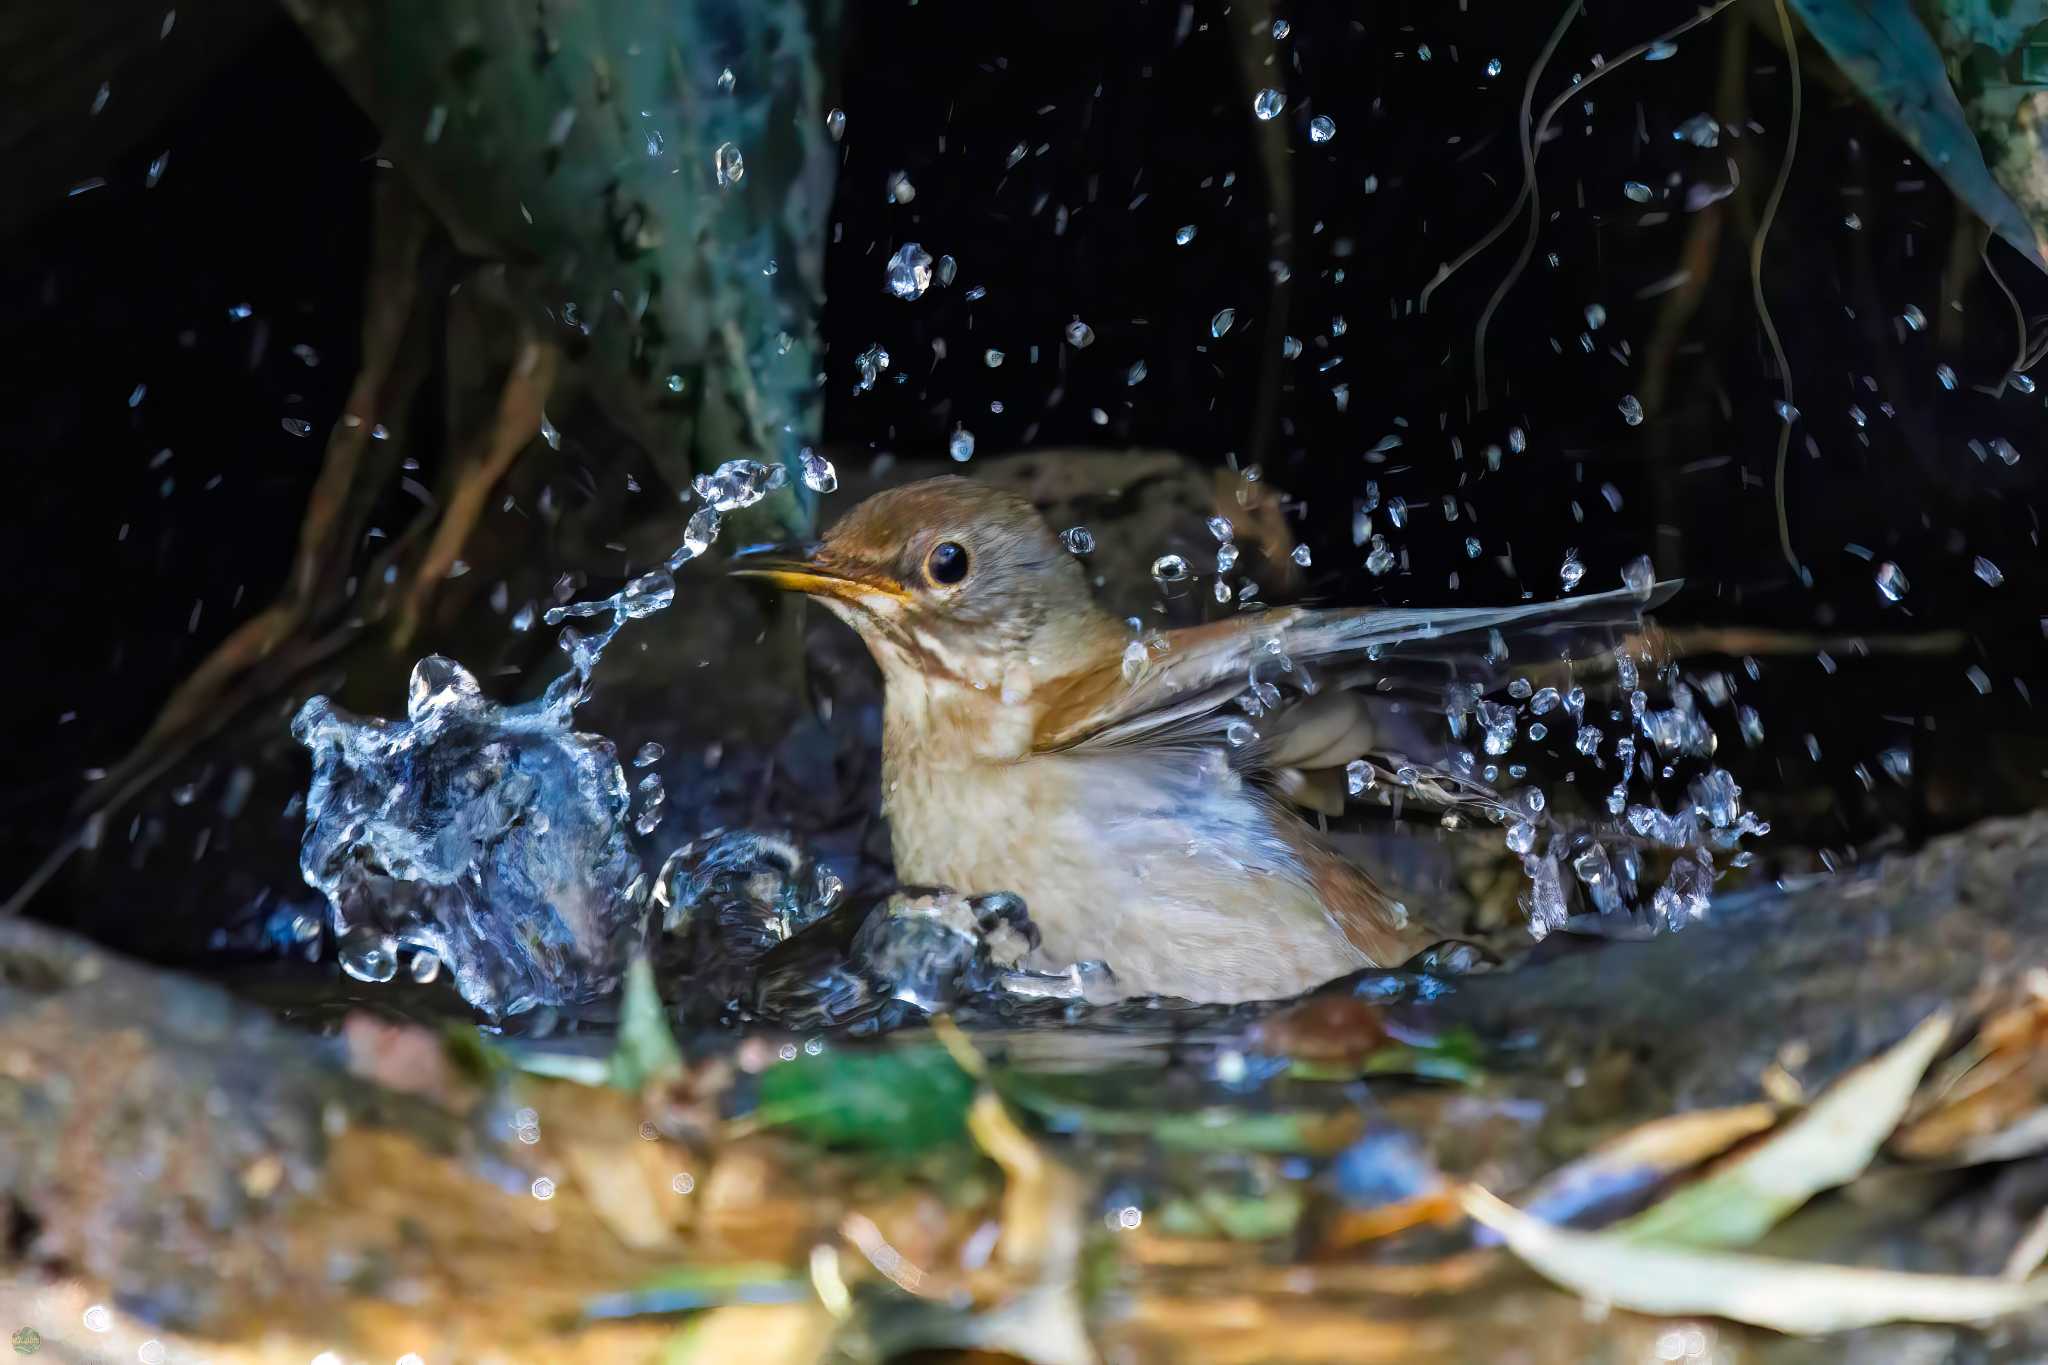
1882,46
1455,1057
1198,1130
646,1048
902,1099
1240,1217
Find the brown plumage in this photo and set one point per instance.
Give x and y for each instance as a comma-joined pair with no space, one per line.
1126,793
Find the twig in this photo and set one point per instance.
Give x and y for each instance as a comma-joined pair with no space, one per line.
1756,284
512,429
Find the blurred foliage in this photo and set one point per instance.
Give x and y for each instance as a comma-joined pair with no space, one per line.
580,144
901,1099
1995,57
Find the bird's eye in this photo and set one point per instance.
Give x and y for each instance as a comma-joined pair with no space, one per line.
947,563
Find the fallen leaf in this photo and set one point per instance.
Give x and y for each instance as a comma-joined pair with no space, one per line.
1786,1296
1827,1145
1354,1227
883,1098
1628,1166
765,1334
1992,1102
1323,1028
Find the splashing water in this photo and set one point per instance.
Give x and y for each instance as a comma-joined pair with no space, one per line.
763,930
494,838
490,837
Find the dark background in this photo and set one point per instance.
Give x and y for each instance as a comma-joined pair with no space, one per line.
157,493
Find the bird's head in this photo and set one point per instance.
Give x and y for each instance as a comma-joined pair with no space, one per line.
948,578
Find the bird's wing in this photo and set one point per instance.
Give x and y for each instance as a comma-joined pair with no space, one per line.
1316,662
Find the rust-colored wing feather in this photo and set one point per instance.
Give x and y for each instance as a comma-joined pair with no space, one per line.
1178,693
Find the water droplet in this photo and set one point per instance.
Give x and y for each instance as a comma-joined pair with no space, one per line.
1136,374
1659,51
1596,317
739,483
1786,412
1637,191
698,536
870,363
425,967
726,81
1946,375
1891,582
1631,410
543,1188
910,272
1571,571
1268,103
297,426
1914,319
1381,559
2005,450
1281,28
1700,130
98,1319
835,124
961,445
1322,128
899,189
1639,576
1300,555
992,357
730,166
1080,335
1493,67
1220,324
1852,222
1992,575
368,955
1169,569
819,475
1185,235
1078,540
1358,776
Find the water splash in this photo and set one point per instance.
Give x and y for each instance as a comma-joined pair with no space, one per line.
763,930
489,837
494,839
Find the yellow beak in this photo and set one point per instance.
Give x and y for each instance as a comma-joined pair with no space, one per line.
812,571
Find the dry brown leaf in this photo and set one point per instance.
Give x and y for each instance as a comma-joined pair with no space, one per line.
1994,1104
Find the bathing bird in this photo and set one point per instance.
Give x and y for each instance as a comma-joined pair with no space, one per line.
1143,792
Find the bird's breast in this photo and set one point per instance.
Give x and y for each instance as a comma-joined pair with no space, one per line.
1161,863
